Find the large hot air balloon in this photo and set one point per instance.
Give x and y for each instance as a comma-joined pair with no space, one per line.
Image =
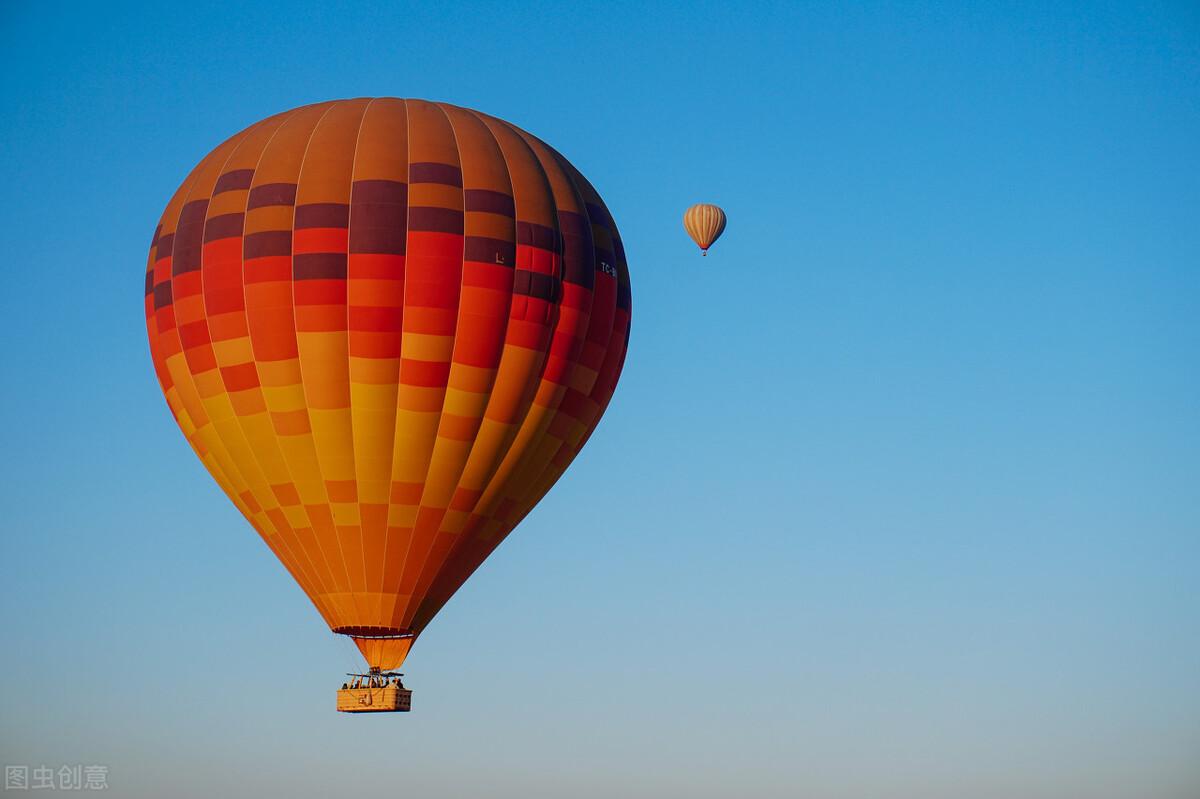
704,223
386,327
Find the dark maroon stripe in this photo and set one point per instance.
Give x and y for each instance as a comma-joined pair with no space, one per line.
382,240
605,262
432,172
319,266
189,237
578,258
157,231
193,212
268,242
535,284
599,215
624,293
162,247
378,191
271,194
149,281
438,220
235,180
535,235
322,215
162,295
379,217
226,226
572,224
187,257
492,202
489,251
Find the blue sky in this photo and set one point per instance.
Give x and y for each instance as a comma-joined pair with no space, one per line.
898,493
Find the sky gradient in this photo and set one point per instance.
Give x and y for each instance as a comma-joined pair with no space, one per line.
897,495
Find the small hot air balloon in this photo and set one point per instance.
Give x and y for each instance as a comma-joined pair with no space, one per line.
704,223
386,327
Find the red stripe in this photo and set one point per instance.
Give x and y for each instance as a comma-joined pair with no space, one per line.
320,292
431,374
240,377
320,239
376,267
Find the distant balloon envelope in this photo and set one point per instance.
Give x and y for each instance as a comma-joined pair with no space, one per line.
704,223
386,327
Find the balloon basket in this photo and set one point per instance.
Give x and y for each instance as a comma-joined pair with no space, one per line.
376,692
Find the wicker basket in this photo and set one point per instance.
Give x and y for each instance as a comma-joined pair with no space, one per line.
387,699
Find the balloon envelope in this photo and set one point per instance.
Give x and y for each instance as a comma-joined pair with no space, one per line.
386,327
704,223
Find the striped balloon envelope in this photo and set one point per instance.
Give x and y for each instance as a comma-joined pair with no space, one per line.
704,223
386,327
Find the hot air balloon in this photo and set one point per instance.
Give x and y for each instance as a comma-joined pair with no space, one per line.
386,327
704,223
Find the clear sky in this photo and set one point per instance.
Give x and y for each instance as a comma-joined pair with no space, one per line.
898,495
